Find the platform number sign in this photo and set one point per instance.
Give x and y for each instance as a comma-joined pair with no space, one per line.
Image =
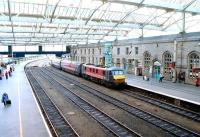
108,54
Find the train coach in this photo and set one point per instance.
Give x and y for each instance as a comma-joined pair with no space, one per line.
71,67
56,63
107,76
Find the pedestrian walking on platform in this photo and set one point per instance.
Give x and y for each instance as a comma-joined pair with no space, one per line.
161,77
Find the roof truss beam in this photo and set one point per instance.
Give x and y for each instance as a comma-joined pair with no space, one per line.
122,20
70,18
90,18
52,16
166,6
115,33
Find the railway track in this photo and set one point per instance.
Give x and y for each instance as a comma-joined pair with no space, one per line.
114,126
183,112
168,126
59,125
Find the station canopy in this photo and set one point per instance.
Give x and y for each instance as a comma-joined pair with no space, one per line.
74,22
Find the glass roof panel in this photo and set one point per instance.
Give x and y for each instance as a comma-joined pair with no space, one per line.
55,21
3,6
5,29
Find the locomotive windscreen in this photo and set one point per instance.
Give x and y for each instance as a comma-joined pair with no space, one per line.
117,72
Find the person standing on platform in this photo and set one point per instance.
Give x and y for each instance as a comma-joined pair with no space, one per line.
4,98
197,81
6,74
0,75
9,73
11,69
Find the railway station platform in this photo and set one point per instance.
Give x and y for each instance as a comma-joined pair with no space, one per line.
23,117
179,91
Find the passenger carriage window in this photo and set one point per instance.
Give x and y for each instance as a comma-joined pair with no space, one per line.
96,70
90,69
103,72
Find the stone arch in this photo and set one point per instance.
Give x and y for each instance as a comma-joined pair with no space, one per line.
167,54
155,59
146,62
193,59
146,59
167,59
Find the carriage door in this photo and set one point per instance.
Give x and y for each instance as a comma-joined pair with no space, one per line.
107,75
111,76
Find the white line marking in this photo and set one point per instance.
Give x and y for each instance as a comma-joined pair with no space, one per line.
20,115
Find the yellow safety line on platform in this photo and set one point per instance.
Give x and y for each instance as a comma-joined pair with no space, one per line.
20,114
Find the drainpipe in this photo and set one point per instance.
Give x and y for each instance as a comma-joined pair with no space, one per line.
175,51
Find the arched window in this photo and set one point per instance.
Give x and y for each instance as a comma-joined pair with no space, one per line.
167,60
193,60
147,59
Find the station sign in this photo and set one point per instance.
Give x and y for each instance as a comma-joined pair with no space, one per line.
108,54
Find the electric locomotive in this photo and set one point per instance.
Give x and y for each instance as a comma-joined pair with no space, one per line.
108,76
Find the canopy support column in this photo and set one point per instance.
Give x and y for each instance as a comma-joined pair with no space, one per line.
183,23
